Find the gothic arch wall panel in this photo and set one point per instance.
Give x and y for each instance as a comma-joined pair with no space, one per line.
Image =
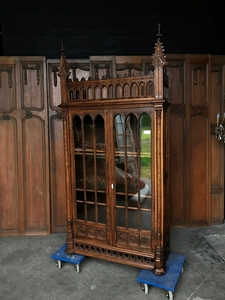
25,153
199,131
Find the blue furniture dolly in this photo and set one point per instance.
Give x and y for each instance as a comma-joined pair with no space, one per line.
61,255
167,281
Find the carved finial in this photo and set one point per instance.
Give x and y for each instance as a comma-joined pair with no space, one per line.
159,60
63,69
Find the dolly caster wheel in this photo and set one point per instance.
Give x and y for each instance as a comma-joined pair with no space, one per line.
169,295
77,267
59,264
144,287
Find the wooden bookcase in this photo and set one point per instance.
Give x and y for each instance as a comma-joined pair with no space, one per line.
116,141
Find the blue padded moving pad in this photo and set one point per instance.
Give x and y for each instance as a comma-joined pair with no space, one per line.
62,256
168,280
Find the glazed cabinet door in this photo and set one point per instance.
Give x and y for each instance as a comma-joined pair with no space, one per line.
90,176
112,182
132,179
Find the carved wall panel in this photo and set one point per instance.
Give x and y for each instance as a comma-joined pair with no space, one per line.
25,161
199,130
57,170
7,88
197,159
34,162
199,182
57,176
32,97
102,66
9,184
178,153
217,147
199,85
132,65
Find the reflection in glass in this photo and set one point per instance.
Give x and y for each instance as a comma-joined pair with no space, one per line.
90,179
132,135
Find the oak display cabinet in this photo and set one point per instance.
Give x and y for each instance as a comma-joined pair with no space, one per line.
116,141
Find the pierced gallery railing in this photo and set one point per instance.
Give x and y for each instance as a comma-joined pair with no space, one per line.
114,88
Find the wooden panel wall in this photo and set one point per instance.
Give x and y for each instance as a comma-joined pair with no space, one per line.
57,170
199,128
190,139
32,175
217,93
24,166
178,148
197,158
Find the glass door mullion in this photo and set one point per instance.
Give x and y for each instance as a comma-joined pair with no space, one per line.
84,169
139,172
95,171
126,142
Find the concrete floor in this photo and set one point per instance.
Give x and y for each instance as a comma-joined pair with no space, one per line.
28,273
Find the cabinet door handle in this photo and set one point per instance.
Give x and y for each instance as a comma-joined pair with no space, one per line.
112,186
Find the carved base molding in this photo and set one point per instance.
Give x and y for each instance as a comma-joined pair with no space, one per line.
112,254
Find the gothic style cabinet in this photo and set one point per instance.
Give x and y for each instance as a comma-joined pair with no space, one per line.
117,165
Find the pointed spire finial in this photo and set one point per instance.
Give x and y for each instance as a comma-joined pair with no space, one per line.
159,60
159,33
63,69
62,50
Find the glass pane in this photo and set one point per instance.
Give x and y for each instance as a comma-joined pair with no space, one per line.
132,138
133,219
101,197
145,134
90,179
91,212
80,211
80,196
121,217
146,218
101,214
